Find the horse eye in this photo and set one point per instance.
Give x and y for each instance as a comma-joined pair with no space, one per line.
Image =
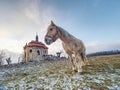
51,29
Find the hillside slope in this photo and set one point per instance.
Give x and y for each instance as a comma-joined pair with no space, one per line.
102,74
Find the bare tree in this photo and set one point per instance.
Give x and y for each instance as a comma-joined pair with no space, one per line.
2,56
8,60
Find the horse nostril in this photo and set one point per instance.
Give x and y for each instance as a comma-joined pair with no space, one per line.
45,40
48,40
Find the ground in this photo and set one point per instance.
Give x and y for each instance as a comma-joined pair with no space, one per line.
102,74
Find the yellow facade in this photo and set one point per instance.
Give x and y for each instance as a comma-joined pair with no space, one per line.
35,51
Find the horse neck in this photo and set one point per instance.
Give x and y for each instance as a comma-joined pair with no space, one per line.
64,35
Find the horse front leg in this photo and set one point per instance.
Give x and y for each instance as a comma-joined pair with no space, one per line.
78,63
71,61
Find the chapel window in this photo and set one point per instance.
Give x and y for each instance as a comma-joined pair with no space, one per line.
38,52
30,51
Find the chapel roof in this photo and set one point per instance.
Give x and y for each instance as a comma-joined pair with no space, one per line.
36,43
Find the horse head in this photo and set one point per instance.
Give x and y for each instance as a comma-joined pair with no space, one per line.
52,34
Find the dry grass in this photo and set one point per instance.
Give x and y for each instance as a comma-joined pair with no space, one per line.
104,63
102,74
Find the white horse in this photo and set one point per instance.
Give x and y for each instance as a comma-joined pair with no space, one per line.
70,44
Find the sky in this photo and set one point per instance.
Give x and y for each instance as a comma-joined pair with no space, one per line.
95,22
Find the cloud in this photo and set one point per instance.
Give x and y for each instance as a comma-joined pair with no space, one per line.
4,33
41,16
31,11
12,45
29,17
21,26
56,47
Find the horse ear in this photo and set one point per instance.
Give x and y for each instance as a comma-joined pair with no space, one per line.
52,23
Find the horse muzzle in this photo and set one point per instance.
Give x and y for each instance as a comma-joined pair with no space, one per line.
48,40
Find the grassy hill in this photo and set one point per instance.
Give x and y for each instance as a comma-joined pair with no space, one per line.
102,74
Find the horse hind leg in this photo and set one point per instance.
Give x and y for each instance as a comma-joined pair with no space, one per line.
84,59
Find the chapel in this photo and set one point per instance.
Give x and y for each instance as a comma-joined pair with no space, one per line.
35,50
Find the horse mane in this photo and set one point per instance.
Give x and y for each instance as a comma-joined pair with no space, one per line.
64,33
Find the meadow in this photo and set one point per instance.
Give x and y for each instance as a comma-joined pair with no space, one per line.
102,74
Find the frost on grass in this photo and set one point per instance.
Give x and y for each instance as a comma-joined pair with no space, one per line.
103,74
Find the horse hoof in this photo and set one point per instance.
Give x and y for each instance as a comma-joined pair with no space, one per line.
75,70
81,73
